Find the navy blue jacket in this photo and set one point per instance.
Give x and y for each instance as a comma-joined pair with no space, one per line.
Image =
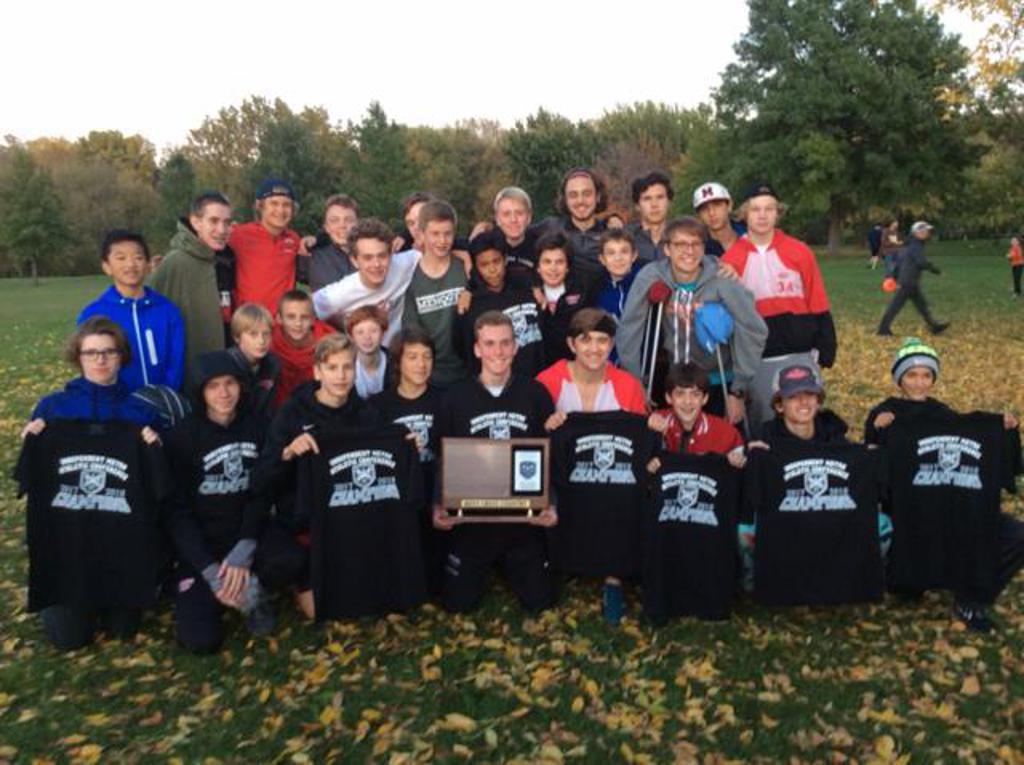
83,400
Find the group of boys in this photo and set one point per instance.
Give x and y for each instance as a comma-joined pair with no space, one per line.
223,303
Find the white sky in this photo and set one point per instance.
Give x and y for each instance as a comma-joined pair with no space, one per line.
158,68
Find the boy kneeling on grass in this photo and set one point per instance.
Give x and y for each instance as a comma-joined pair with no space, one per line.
228,546
915,369
799,416
324,404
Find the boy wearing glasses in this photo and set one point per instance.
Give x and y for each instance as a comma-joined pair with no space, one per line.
691,280
151,323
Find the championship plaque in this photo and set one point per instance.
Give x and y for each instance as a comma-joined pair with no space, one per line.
490,481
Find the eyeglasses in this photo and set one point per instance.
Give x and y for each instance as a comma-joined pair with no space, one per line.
99,353
683,245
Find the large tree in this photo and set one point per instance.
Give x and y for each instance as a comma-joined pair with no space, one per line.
176,185
378,169
32,228
847,105
541,149
464,164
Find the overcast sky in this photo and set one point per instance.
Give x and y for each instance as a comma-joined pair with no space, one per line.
158,68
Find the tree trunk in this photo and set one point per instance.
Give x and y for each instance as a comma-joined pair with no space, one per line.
34,268
835,230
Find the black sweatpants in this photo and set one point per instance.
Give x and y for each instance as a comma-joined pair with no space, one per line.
1011,557
69,627
1015,272
899,299
280,561
518,549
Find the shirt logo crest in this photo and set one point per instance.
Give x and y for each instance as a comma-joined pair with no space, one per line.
92,481
604,456
364,475
816,483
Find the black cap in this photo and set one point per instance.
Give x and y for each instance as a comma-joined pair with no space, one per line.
758,190
216,364
486,240
274,187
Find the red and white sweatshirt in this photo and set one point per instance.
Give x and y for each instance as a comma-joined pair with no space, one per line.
788,293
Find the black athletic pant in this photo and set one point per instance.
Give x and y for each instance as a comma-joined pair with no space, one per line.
280,562
902,295
69,627
1016,271
518,549
1011,558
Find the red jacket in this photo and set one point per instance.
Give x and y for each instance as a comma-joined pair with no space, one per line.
710,434
296,361
264,264
788,293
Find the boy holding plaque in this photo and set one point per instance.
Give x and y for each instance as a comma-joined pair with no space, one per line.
497,405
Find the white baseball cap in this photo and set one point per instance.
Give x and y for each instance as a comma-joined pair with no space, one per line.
709,192
921,225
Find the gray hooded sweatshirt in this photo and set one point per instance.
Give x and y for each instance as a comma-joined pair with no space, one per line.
679,337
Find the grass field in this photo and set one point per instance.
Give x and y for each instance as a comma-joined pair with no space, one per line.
896,682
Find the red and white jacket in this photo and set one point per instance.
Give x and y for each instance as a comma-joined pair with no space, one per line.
788,293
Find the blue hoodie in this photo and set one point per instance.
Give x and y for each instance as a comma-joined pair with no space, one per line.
155,332
83,400
610,295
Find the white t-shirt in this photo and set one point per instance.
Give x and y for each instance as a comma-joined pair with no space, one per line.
345,295
553,293
368,383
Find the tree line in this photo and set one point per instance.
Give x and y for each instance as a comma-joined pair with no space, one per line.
856,110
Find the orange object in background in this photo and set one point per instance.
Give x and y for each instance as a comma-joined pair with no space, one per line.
889,284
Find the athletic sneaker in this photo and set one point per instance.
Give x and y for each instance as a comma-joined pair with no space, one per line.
260,621
613,603
939,328
973,615
259,616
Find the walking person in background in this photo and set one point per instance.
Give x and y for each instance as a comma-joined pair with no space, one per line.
1016,258
888,248
874,239
912,262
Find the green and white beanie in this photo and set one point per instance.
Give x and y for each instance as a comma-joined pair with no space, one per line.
914,353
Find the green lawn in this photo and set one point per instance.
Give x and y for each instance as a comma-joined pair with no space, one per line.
868,683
